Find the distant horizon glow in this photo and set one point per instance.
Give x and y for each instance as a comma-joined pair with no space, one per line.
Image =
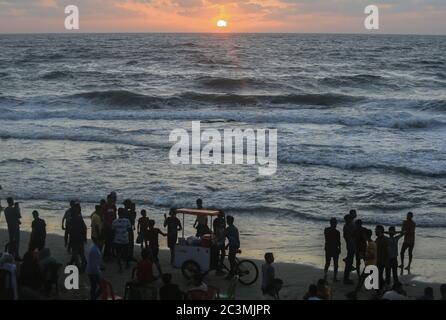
246,16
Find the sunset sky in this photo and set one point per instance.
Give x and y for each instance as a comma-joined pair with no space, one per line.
343,16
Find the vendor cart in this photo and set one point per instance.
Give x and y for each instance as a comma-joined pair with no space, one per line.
193,255
186,251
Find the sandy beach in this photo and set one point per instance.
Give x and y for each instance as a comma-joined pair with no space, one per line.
297,277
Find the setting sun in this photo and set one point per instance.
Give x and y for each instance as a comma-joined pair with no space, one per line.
222,24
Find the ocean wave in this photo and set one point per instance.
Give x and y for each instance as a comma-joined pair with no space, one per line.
345,165
228,83
54,75
128,98
327,99
77,137
31,58
415,123
122,98
187,44
433,105
429,62
388,220
17,161
359,79
302,115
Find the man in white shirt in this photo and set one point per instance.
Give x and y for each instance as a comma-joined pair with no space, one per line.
121,228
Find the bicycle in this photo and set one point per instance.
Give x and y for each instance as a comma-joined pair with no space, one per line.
245,269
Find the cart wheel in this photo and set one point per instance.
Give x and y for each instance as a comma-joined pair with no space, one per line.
247,272
189,269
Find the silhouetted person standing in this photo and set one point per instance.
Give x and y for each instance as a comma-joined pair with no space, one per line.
201,223
108,216
173,225
382,256
154,247
78,236
332,247
93,270
12,216
393,252
408,230
369,259
38,233
360,239
232,234
219,226
130,214
121,228
66,220
348,230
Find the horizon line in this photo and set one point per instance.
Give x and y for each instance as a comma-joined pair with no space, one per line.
219,33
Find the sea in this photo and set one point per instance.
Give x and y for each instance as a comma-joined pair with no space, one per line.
360,119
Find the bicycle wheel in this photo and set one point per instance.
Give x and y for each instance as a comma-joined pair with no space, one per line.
189,269
247,272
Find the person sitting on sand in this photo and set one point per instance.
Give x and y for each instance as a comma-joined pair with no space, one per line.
144,269
408,228
393,252
38,233
94,269
443,292
121,228
97,227
233,237
170,291
173,225
312,293
397,293
31,275
141,229
270,285
323,290
428,294
198,284
154,247
332,247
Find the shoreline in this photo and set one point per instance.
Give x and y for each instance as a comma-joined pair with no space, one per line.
292,241
296,277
